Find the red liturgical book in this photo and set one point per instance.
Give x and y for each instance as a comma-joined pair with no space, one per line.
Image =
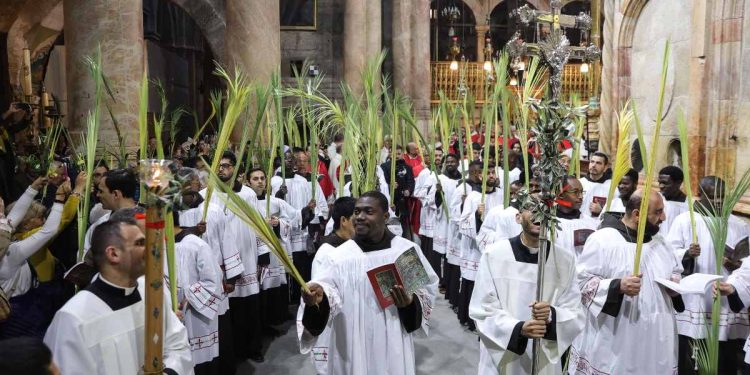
601,200
407,270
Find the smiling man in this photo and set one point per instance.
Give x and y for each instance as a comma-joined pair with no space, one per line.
364,338
574,227
100,330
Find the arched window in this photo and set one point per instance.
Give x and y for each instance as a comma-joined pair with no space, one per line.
449,20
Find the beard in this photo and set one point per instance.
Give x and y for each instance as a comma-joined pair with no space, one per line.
651,229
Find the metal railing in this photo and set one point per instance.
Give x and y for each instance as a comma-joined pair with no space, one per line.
447,80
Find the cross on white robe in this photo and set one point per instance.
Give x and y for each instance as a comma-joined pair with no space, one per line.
199,283
227,258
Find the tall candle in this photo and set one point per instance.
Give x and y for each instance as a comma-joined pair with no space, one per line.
26,81
43,109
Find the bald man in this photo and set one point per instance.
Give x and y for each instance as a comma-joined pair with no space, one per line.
630,325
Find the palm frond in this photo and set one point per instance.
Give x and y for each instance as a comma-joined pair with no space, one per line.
238,94
650,166
622,158
250,216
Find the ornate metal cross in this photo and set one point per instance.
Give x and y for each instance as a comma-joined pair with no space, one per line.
555,48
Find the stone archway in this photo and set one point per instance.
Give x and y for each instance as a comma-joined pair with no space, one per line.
210,17
32,15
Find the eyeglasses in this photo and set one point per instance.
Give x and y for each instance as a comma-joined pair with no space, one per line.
225,166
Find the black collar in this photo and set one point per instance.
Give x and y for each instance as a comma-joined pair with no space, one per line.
115,297
630,235
521,252
570,215
367,245
455,176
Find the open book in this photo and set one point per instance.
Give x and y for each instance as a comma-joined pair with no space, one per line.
693,284
407,270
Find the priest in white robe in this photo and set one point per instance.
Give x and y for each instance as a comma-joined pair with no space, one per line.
199,293
365,338
701,258
630,324
596,185
625,188
574,227
504,308
273,279
101,330
298,192
470,222
737,292
675,201
445,229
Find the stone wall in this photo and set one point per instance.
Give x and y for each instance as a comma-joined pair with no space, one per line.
324,47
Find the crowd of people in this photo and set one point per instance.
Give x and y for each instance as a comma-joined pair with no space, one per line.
80,311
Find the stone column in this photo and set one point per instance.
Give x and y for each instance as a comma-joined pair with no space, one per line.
253,40
481,30
411,54
362,38
696,111
402,46
420,65
116,26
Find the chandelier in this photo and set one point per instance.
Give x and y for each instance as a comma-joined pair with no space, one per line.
451,12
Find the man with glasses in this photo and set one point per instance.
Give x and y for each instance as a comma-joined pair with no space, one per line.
238,237
574,227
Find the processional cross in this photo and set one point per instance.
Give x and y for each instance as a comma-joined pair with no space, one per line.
554,117
555,49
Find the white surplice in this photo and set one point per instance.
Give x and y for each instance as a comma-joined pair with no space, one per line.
503,291
275,275
470,252
366,339
692,321
318,351
424,190
445,229
499,224
565,236
228,258
594,189
239,238
740,280
299,194
642,339
199,283
87,337
672,209
454,247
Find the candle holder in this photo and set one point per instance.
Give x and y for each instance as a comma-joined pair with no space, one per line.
156,175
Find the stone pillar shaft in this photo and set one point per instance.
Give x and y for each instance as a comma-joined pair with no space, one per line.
481,30
253,40
116,26
362,38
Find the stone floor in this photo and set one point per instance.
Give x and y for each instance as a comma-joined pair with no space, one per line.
449,349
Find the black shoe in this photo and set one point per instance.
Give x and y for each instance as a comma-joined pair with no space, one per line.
257,358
